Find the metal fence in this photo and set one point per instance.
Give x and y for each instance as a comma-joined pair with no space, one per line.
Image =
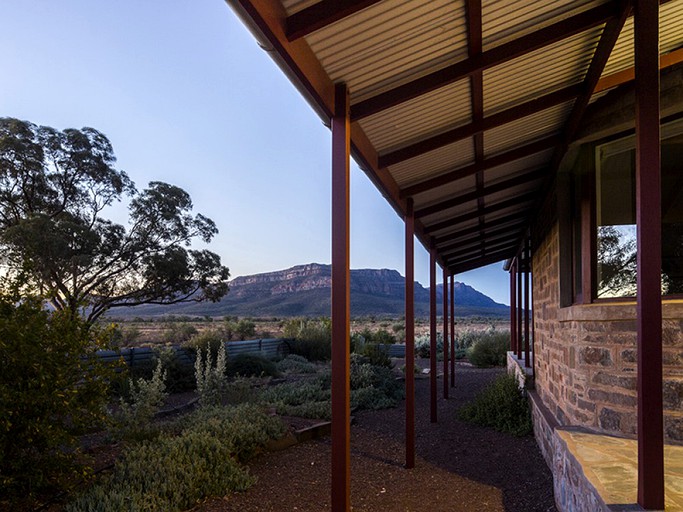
143,356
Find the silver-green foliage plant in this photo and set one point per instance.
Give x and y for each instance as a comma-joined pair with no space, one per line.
294,363
210,375
172,473
489,349
146,398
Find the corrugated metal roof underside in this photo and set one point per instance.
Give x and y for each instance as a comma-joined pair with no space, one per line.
390,43
540,72
526,129
433,163
394,42
413,120
499,27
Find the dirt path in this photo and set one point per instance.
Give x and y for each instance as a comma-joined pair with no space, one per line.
460,467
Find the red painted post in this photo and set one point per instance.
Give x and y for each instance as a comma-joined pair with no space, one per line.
432,333
513,307
520,307
452,330
649,257
445,333
341,415
527,362
410,334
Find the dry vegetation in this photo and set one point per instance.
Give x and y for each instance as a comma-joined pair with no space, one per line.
153,332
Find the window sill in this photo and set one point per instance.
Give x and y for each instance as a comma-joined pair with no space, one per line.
615,311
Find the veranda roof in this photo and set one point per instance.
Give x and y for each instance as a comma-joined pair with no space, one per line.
465,106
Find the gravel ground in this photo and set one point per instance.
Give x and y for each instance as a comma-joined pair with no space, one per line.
460,467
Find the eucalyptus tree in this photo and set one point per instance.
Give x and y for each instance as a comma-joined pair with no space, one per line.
55,189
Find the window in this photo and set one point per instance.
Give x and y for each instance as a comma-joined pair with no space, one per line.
615,215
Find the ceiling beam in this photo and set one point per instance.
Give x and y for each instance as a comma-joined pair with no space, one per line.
487,163
478,255
479,262
514,201
628,75
445,249
322,14
476,243
521,216
493,57
484,191
481,124
473,250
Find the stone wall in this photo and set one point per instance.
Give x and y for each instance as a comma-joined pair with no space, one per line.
586,355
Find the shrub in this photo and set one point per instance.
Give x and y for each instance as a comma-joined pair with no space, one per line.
251,365
294,363
146,398
52,387
179,333
210,339
310,338
210,376
502,406
423,346
245,329
179,377
173,473
490,349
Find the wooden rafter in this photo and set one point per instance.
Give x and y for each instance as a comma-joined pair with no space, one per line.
488,163
493,57
628,75
490,234
481,192
503,237
521,216
478,261
480,123
322,14
514,201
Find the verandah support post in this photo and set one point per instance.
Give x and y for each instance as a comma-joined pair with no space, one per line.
527,362
445,333
513,307
410,333
520,306
452,330
341,414
649,257
432,333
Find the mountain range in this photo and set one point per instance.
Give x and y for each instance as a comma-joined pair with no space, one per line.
304,290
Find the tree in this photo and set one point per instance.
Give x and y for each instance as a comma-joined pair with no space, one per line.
55,187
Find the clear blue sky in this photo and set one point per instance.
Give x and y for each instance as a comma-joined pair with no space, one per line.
186,96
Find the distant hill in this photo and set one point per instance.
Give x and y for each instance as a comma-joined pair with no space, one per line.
304,290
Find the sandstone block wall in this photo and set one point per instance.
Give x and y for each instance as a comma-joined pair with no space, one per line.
586,355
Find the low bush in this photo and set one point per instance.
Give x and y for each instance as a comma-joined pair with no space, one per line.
502,406
134,419
490,349
210,340
310,338
179,333
294,363
423,346
172,473
251,365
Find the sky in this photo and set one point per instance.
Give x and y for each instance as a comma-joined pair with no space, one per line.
186,96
